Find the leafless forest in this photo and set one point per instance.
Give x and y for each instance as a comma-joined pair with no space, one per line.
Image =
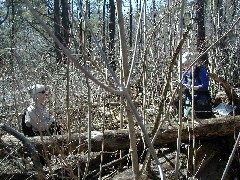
112,73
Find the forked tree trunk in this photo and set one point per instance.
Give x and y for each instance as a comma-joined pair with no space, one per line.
124,55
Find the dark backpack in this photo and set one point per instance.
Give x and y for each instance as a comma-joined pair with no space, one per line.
25,129
202,111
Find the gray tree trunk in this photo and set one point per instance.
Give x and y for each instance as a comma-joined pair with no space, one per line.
124,55
57,32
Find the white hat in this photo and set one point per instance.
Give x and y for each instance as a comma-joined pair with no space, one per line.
37,88
187,56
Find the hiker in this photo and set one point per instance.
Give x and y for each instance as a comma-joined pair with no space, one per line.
37,120
202,98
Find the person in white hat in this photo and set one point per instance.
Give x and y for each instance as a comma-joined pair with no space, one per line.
37,117
202,99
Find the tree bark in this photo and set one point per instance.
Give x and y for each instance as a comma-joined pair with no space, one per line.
201,44
112,34
124,56
57,31
65,22
130,24
119,139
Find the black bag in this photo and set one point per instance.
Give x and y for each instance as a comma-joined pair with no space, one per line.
203,110
55,129
25,129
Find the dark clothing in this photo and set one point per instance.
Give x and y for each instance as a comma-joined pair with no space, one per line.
202,99
201,80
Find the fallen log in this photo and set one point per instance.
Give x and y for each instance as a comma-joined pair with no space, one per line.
119,139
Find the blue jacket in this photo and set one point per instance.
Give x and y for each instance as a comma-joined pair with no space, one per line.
201,80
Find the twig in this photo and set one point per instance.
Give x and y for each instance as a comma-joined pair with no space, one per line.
105,166
67,51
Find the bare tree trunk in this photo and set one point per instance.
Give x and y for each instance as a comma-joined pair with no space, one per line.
57,29
112,34
130,24
80,26
145,66
201,44
65,22
124,55
12,64
179,140
87,37
104,25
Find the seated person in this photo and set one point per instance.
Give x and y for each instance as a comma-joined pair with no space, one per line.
37,117
202,99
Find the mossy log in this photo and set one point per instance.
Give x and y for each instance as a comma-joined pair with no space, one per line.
118,139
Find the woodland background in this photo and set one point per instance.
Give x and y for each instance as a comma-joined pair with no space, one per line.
111,65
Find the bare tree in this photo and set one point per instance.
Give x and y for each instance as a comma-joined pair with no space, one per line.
201,44
146,89
112,33
57,29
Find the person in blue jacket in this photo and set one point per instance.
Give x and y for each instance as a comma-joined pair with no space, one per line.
202,99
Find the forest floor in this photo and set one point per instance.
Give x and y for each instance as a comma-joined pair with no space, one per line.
210,161
213,168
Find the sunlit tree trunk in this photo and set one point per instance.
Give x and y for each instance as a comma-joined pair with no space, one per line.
145,66
124,57
86,44
88,35
154,19
80,26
